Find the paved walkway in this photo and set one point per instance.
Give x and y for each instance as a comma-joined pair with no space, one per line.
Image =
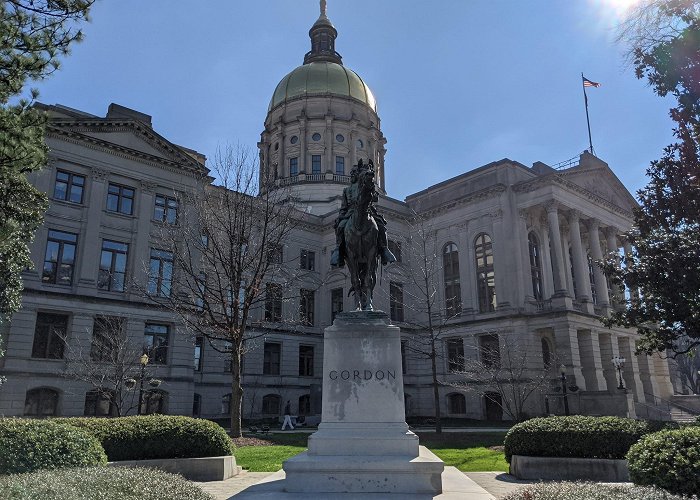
497,484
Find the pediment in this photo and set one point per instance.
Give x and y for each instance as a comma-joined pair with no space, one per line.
602,182
127,136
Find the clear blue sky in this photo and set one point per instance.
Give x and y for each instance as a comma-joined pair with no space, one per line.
459,83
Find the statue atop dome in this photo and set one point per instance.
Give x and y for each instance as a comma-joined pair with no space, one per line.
323,8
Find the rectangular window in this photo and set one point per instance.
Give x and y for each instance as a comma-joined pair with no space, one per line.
165,209
336,302
489,350
59,259
340,165
307,260
112,266
306,307
294,166
273,302
156,343
395,248
455,355
315,164
271,358
49,336
120,199
160,278
306,361
68,187
396,301
198,346
108,334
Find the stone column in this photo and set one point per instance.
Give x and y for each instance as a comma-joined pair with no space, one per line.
524,247
591,362
647,376
547,275
329,141
353,151
557,256
302,145
281,159
89,239
611,243
568,266
501,263
608,350
580,264
663,378
601,284
567,349
139,251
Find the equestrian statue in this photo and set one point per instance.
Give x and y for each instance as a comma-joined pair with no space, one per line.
361,235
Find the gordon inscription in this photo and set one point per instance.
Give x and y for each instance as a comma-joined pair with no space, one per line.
362,374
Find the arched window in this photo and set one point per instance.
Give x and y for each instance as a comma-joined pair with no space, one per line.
453,291
535,265
226,404
546,353
197,405
591,275
99,403
41,402
304,405
271,404
456,404
154,401
485,278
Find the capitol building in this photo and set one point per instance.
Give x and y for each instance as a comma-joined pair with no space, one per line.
513,247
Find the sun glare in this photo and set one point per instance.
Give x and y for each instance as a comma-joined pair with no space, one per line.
619,7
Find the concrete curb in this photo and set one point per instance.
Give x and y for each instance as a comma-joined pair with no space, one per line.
194,469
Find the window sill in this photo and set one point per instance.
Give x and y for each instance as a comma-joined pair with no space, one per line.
68,203
119,214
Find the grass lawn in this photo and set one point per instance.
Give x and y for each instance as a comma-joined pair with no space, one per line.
469,452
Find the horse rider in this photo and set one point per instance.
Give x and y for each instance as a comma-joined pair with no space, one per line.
347,207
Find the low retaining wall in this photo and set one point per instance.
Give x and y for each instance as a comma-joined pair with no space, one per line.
564,468
194,469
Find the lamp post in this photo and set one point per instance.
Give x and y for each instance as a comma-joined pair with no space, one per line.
144,362
619,364
562,368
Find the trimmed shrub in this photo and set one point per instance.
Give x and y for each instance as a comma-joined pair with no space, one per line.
577,436
156,436
100,483
27,445
588,491
668,459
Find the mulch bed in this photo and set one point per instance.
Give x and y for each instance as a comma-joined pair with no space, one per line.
251,441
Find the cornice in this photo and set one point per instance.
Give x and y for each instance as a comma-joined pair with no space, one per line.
187,166
490,192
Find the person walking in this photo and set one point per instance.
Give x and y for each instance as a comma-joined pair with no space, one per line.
287,417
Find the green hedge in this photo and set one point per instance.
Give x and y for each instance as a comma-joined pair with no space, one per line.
668,459
27,445
588,491
156,436
577,436
99,483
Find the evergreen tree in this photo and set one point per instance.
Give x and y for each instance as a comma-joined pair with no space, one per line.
34,34
663,272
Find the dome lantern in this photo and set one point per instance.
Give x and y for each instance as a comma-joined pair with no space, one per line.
323,35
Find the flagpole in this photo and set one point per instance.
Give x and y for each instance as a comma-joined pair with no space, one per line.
588,121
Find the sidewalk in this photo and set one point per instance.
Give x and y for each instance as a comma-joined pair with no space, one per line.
305,430
497,484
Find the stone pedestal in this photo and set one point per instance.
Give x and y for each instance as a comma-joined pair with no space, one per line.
363,443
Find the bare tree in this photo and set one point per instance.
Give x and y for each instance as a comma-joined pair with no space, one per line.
688,366
651,22
111,363
227,260
505,364
428,322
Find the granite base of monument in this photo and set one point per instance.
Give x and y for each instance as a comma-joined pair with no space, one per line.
363,443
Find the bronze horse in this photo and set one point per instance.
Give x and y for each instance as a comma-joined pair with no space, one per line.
361,249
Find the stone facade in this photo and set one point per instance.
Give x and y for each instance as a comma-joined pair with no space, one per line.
518,241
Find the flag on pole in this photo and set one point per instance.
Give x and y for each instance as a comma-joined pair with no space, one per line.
589,83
